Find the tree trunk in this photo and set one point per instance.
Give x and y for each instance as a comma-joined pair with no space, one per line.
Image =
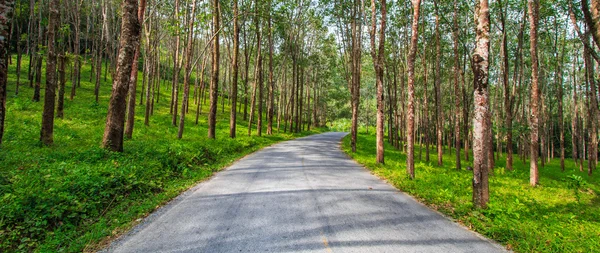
410,130
175,90
214,84
378,58
481,125
592,119
134,78
6,12
257,72
355,87
438,97
234,85
115,120
533,10
61,86
47,132
271,102
188,70
455,35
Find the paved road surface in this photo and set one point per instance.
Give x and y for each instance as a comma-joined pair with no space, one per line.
303,195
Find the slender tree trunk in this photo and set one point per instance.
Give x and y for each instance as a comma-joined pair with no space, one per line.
175,90
592,119
481,121
271,105
61,87
214,84
533,10
234,85
115,120
561,120
134,78
410,131
38,60
257,73
355,87
47,132
378,58
455,35
188,70
438,96
6,12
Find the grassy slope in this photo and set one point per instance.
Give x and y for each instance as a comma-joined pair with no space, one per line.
543,219
74,195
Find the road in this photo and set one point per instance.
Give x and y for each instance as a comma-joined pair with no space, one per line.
303,195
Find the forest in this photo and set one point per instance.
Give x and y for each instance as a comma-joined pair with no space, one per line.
486,111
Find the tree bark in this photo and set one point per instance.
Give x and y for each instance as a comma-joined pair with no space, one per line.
134,78
6,12
214,84
378,57
533,10
410,130
115,120
438,97
355,87
271,103
61,87
188,70
455,34
175,90
481,125
47,132
234,85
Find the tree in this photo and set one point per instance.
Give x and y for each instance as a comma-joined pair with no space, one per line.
134,78
410,130
455,34
130,35
234,85
378,56
438,97
188,70
533,10
214,83
481,101
47,132
6,11
355,69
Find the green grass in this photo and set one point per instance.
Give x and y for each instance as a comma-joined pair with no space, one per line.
75,196
547,218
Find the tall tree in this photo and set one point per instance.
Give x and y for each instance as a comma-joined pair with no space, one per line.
410,130
438,94
130,36
455,34
271,100
234,85
378,55
134,78
175,89
481,121
355,69
6,12
188,69
533,11
214,83
47,132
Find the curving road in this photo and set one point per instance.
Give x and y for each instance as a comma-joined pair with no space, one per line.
303,195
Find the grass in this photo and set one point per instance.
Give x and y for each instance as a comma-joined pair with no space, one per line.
75,196
547,218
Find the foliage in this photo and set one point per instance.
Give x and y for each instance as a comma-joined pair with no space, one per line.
547,218
73,195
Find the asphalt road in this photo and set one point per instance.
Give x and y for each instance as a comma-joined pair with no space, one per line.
303,195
